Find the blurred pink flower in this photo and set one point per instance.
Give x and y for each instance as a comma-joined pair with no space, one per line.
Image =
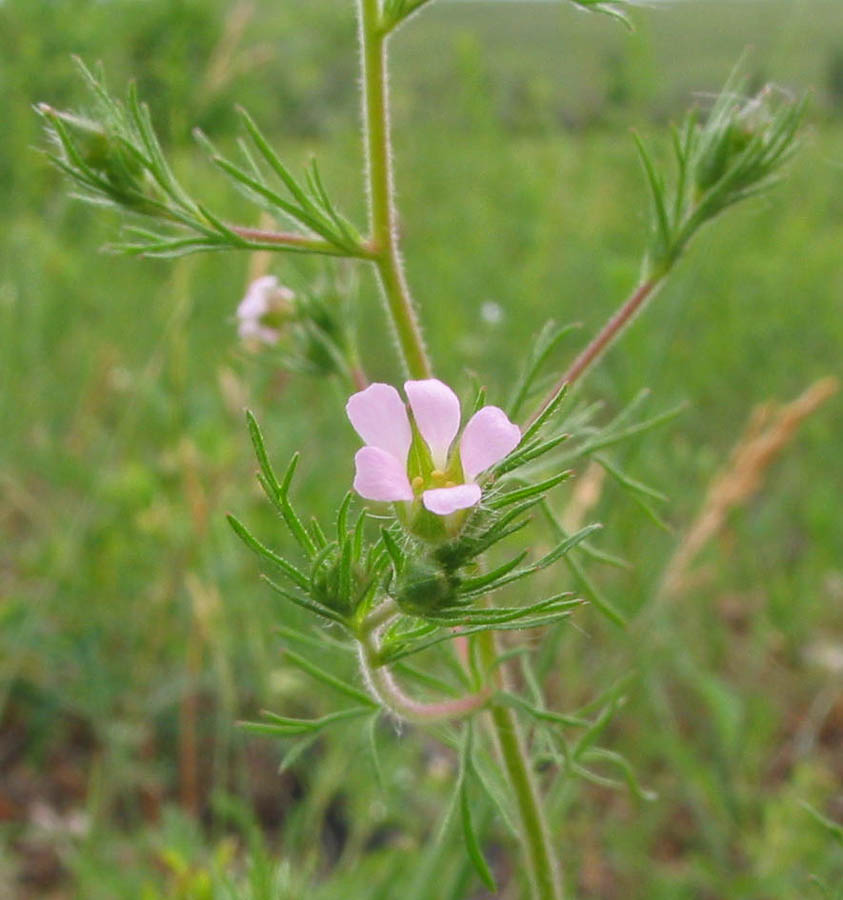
263,309
446,482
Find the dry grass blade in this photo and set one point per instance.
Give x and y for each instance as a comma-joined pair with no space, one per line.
228,59
769,430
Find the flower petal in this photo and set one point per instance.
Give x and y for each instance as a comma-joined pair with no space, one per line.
436,409
379,476
444,501
487,439
379,416
252,330
256,302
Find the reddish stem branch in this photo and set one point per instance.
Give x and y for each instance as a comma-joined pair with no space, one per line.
291,239
384,688
263,236
358,377
621,318
608,333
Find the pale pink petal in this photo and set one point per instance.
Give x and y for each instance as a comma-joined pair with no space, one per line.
263,296
252,330
379,416
444,501
379,476
487,439
256,302
436,409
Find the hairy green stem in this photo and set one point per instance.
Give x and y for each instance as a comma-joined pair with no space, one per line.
382,218
542,865
384,612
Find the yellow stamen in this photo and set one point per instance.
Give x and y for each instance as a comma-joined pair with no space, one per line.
450,484
438,476
417,484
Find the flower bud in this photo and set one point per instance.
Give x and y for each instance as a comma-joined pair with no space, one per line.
326,589
424,589
105,154
322,334
728,133
329,590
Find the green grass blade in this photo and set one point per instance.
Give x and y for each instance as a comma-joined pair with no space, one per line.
472,840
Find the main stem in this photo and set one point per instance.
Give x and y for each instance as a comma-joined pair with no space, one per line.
544,876
542,866
382,219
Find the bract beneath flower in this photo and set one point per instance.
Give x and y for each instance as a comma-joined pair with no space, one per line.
447,482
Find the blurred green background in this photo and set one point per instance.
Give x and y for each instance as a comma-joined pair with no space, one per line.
133,629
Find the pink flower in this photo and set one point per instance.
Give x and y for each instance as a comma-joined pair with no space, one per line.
265,305
442,474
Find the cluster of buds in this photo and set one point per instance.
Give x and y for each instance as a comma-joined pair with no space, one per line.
104,160
742,136
736,153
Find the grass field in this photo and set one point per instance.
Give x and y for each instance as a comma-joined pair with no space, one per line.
134,632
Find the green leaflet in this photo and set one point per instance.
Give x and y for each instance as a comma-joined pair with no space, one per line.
285,726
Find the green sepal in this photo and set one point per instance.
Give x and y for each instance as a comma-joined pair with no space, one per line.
424,588
396,554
